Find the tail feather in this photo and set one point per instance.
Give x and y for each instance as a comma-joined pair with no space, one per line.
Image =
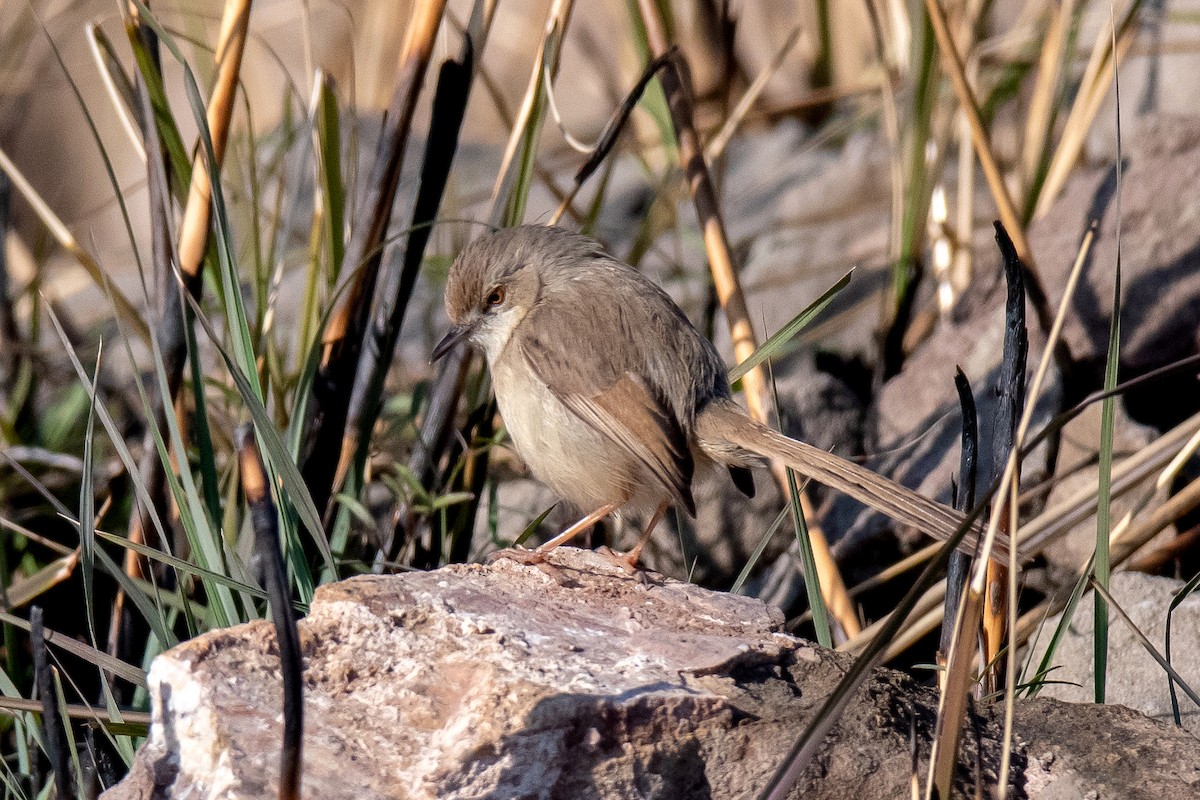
721,425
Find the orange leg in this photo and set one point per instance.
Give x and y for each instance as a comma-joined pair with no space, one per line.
578,528
631,558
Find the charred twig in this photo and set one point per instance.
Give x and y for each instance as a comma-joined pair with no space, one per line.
612,129
347,329
1010,391
449,109
170,333
52,721
269,560
964,500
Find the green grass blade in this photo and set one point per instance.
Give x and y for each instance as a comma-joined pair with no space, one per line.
115,436
242,364
180,565
772,346
88,653
333,191
168,130
653,101
202,536
812,584
87,512
758,551
203,435
1146,644
1060,630
1179,597
294,489
532,527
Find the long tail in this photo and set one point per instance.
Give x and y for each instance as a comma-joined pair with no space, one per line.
721,425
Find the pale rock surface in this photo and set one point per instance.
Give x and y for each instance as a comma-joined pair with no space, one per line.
1078,470
579,681
1134,678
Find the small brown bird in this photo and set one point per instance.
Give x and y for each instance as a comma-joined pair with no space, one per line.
611,396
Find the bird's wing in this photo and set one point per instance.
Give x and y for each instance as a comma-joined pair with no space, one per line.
606,387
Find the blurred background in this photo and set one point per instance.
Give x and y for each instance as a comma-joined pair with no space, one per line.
836,137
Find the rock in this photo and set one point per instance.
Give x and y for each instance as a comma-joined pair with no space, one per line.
1090,752
1134,678
1160,263
915,423
1077,469
577,680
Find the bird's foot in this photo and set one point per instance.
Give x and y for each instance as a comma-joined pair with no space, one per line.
629,562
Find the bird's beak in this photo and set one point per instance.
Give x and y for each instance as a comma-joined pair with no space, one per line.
455,335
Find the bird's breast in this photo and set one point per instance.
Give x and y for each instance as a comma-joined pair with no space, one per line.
561,450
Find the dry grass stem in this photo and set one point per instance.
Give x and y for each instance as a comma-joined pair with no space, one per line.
1036,534
983,146
1094,87
1038,128
717,144
197,212
1136,537
544,63
66,240
733,301
93,34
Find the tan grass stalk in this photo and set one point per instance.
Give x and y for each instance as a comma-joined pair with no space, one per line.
557,20
733,301
1046,528
1036,142
1094,87
927,609
128,124
1138,534
958,273
96,715
717,144
197,212
983,147
66,240
956,684
888,62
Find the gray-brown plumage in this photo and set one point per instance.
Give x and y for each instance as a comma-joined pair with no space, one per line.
611,396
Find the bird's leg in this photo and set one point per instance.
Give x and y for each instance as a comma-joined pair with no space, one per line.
630,560
578,528
538,555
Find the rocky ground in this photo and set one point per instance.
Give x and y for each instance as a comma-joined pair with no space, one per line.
577,680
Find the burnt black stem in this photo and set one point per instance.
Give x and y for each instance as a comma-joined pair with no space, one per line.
268,560
964,500
52,722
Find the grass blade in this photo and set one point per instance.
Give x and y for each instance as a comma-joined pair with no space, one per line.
1107,421
778,341
1179,597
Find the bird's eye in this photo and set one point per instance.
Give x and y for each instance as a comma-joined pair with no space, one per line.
495,297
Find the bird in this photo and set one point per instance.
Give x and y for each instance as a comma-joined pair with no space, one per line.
610,395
